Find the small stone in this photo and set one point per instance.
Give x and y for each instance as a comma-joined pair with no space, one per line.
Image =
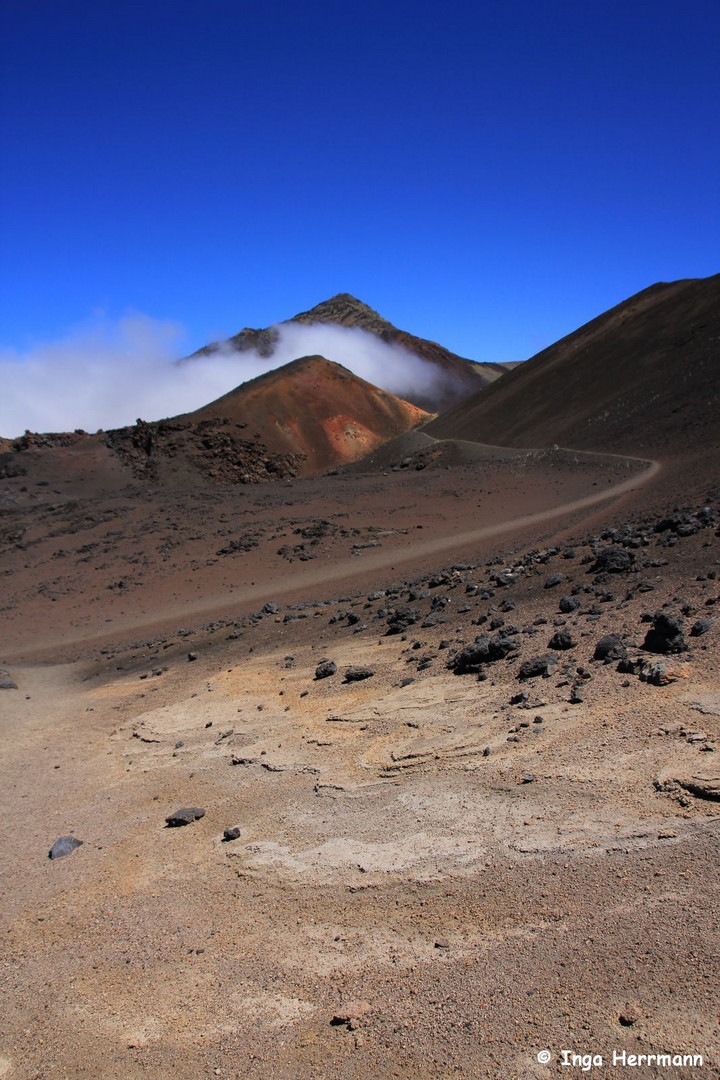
528,778
442,943
629,1015
562,640
610,647
357,674
192,656
65,845
350,1011
325,669
184,816
231,834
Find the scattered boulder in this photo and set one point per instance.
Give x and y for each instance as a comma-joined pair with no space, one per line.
325,669
6,683
357,674
484,650
700,627
184,816
65,845
666,635
568,604
538,665
613,560
553,580
562,640
231,834
401,618
609,648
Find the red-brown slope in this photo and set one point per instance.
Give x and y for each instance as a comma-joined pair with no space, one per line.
643,378
315,408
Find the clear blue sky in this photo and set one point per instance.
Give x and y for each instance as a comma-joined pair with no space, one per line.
490,175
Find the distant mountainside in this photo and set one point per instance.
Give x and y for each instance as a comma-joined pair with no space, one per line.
296,420
643,378
461,376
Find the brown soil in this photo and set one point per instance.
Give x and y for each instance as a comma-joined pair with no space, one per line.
457,912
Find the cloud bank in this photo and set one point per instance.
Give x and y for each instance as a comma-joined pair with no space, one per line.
107,373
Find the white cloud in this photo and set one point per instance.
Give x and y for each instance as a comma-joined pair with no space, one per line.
107,373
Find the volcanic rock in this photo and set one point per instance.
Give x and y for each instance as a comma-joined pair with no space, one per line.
65,845
562,640
666,635
325,669
484,650
610,647
185,816
358,674
538,665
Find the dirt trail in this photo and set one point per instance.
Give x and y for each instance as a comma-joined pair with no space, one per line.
305,579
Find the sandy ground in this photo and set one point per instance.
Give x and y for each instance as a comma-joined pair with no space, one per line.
429,881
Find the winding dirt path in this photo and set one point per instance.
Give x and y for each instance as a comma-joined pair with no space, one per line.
307,579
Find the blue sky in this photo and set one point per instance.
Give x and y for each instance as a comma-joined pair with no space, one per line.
490,175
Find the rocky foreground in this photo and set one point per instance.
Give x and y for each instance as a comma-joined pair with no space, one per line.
430,829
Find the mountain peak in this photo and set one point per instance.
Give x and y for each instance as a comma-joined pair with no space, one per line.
345,310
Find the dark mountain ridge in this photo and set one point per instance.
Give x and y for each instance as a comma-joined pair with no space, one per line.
459,376
642,378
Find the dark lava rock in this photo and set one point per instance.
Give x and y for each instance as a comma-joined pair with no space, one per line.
484,650
553,580
568,604
65,845
192,656
666,635
231,834
700,627
185,816
325,669
610,647
401,618
562,640
630,665
613,560
271,608
6,683
357,674
538,665
576,695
